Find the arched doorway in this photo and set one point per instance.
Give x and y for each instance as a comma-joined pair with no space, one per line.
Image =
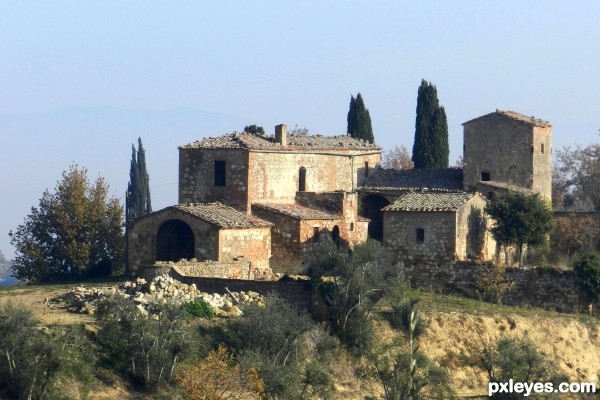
174,241
371,208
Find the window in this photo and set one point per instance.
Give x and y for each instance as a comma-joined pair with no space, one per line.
366,169
220,172
302,179
420,237
485,176
542,148
316,234
351,226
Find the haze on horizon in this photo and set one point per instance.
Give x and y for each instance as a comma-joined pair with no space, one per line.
81,81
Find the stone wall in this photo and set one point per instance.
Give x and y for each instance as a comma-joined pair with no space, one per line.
439,244
545,288
274,176
197,177
236,269
252,244
299,293
473,238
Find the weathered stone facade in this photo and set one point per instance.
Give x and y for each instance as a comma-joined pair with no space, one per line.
507,150
204,232
437,227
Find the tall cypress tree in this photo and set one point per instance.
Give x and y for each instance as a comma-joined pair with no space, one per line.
137,200
430,150
359,120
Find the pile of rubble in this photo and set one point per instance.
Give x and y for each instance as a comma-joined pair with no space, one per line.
160,290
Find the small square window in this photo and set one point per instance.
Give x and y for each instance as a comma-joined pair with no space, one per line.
366,169
485,176
420,235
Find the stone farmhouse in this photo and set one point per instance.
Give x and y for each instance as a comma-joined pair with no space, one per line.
264,198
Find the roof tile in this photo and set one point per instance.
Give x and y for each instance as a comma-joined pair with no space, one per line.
430,201
222,215
296,211
410,179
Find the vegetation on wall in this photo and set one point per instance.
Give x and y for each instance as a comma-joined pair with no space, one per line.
587,269
359,120
430,149
75,231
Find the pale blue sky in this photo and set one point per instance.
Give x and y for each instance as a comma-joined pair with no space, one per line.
80,81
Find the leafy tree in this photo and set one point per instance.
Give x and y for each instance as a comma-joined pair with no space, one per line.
576,178
355,282
430,149
75,231
397,158
359,120
298,131
4,265
587,269
255,129
137,201
517,359
520,219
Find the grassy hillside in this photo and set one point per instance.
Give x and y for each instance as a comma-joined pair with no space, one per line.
458,329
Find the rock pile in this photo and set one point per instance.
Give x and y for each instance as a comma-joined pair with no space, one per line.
160,290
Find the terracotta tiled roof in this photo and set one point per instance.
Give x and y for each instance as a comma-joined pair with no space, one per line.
296,211
410,179
250,141
517,117
430,201
222,215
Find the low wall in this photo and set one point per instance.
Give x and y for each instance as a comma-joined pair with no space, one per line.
541,287
299,293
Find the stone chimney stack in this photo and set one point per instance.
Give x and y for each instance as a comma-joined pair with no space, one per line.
281,134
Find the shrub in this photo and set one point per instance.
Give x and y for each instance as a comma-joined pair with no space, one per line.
32,361
517,359
219,377
587,269
149,349
198,309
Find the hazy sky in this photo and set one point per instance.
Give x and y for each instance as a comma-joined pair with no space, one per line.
80,81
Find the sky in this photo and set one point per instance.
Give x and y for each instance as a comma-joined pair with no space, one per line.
80,81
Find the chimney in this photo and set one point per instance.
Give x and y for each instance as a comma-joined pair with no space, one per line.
281,134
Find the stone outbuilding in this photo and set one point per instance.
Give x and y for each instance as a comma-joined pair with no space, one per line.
198,231
437,227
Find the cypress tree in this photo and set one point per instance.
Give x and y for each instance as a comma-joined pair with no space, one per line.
430,149
359,120
137,200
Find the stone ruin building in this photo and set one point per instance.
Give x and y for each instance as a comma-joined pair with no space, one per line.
250,203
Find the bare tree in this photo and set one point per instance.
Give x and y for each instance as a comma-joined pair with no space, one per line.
397,158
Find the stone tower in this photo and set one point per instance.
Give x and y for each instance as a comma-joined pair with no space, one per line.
506,150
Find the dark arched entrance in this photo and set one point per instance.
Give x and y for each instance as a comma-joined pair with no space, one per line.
371,208
335,235
174,241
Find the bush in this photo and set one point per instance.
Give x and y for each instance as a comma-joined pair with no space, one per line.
34,360
359,280
148,348
198,309
286,347
218,377
517,359
587,269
